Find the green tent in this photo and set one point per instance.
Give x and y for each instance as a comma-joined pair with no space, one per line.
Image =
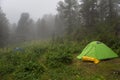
97,50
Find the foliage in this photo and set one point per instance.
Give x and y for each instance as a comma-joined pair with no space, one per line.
56,61
4,29
59,55
83,21
69,12
29,70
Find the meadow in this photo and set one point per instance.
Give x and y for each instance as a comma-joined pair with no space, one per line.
47,60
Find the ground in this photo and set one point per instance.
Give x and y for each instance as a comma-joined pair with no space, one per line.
46,61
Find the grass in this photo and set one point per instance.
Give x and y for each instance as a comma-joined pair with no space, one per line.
53,61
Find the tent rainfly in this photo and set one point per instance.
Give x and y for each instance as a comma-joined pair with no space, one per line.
96,51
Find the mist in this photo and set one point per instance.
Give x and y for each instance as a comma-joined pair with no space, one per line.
36,8
59,39
24,21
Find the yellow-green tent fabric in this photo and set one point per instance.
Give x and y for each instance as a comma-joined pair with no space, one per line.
97,50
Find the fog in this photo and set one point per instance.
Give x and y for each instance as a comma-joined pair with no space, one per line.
28,20
36,8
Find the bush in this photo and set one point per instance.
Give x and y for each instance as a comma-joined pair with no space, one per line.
6,69
56,59
29,71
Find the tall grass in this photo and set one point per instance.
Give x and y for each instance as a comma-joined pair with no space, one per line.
45,60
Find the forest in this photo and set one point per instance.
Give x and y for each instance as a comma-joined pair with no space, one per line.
76,20
46,49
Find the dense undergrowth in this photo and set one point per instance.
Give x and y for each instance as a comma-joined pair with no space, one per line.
55,61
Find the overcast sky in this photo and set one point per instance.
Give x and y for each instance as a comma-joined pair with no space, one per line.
36,8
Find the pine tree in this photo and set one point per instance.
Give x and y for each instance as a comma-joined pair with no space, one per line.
69,10
4,30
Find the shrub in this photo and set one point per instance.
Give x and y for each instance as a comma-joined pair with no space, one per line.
29,71
56,59
6,69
